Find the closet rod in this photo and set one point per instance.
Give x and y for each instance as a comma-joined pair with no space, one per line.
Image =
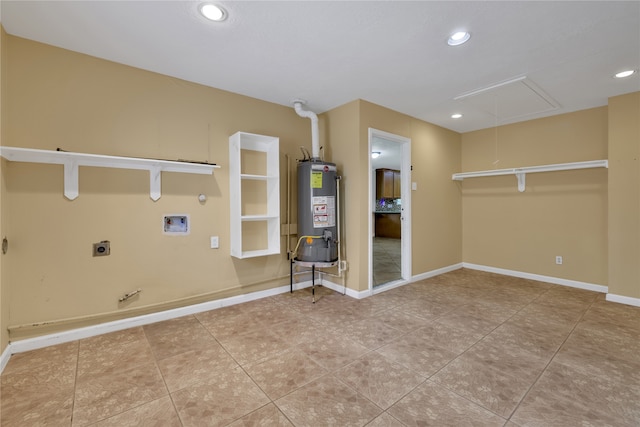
521,172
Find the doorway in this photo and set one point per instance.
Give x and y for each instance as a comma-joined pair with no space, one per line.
390,218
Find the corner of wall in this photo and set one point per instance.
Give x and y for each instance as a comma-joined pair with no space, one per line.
624,195
4,305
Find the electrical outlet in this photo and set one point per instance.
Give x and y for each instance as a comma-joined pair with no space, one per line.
215,242
559,260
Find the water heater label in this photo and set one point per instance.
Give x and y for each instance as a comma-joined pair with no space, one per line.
324,211
316,179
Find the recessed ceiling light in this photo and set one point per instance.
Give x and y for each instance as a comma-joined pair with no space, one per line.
213,12
375,154
623,74
458,38
456,116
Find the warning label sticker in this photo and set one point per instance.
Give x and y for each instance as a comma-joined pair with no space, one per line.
324,211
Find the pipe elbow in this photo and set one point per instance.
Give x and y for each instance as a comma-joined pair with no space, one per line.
315,145
304,113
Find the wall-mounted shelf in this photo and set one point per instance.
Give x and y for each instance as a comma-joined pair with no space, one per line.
254,183
71,162
520,173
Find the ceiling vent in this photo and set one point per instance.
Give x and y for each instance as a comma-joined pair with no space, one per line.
510,100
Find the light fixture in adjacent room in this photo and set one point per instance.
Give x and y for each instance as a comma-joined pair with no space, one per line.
458,38
626,73
213,12
375,154
456,116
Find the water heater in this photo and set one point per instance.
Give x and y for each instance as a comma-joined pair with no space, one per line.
317,212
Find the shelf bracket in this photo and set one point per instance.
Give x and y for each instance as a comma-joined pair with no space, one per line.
71,179
155,182
521,181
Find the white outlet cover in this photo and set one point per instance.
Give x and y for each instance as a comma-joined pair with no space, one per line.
215,242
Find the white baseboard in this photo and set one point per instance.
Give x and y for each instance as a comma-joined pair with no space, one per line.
437,272
623,300
538,277
337,287
416,278
4,358
118,325
388,286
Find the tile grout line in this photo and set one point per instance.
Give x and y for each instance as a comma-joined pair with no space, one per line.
164,381
75,383
476,343
552,357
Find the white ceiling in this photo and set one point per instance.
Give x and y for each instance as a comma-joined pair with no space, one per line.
392,53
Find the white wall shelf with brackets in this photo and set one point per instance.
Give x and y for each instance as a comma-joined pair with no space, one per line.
72,161
521,173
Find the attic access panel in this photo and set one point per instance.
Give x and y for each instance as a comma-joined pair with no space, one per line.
511,99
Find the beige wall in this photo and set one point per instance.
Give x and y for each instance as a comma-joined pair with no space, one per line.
341,131
560,213
380,118
624,195
436,237
436,206
57,98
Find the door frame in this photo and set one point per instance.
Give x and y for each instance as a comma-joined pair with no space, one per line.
405,217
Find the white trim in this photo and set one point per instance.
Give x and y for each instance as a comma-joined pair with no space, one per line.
370,217
118,325
436,272
390,285
417,278
90,331
341,290
405,215
4,358
538,277
623,300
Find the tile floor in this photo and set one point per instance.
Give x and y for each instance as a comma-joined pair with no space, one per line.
387,265
465,348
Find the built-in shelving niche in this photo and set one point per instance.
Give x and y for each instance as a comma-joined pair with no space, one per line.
254,184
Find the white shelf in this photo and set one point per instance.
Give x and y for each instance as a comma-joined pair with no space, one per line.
71,162
254,177
241,228
258,217
251,177
256,253
520,173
